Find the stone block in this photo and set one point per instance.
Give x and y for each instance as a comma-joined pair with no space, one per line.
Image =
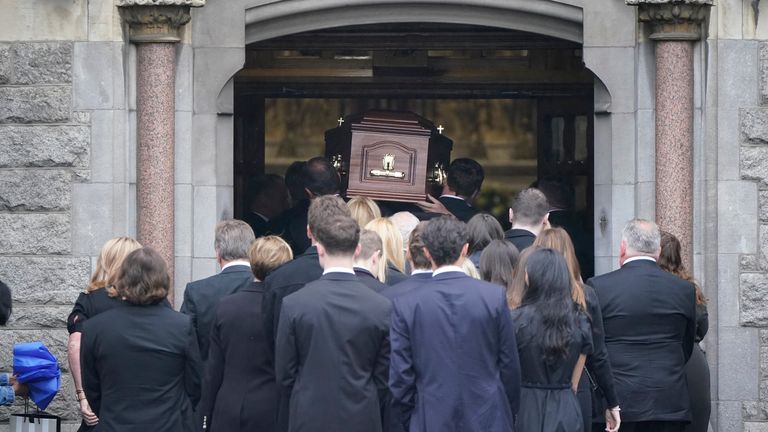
755,427
25,317
754,299
44,146
749,263
646,146
35,234
727,282
737,68
91,217
728,416
48,104
763,212
728,143
603,150
738,351
763,64
204,221
36,190
754,125
204,149
98,75
183,216
754,164
203,268
5,64
624,148
103,130
41,20
42,63
45,280
184,77
737,217
615,67
183,148
217,65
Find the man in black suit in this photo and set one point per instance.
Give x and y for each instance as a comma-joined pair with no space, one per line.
421,268
454,361
332,349
464,177
320,178
529,215
366,264
649,317
232,241
267,199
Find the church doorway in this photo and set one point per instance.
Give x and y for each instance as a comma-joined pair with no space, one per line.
519,103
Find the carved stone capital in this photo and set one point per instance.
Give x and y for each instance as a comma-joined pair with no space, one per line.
673,19
155,20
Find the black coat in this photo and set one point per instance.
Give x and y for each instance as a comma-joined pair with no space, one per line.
239,389
332,355
649,317
459,208
283,281
140,367
520,238
202,297
369,280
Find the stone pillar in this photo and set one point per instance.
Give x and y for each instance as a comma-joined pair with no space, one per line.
676,26
154,27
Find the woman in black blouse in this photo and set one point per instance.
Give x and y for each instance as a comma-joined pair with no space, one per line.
597,372
100,296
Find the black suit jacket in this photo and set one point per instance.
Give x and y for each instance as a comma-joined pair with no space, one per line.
332,355
413,282
459,207
283,281
369,280
649,317
291,225
520,238
260,226
140,368
239,389
202,297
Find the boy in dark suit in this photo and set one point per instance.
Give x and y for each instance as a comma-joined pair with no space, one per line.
529,215
649,317
367,261
332,348
454,361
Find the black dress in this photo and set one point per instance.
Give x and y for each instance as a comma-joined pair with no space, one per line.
697,372
88,305
547,403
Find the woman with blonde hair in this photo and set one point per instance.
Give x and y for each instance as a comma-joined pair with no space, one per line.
392,264
598,370
363,210
99,296
239,389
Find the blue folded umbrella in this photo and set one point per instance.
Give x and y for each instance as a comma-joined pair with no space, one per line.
36,367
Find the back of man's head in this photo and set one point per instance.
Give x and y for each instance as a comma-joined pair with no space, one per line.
465,177
642,237
339,236
419,260
405,223
529,207
323,208
321,177
444,238
370,243
296,180
233,239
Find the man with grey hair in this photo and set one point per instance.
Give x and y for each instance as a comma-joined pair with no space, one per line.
649,316
232,242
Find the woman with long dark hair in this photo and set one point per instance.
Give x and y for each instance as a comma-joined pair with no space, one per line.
697,368
598,376
553,340
483,229
498,261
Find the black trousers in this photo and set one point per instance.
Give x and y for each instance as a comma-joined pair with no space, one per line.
652,426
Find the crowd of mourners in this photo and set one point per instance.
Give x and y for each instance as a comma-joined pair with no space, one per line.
331,315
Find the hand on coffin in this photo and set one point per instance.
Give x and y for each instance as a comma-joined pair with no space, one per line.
432,205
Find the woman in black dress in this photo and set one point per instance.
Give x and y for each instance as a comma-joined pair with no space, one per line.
697,369
553,340
597,375
239,389
100,296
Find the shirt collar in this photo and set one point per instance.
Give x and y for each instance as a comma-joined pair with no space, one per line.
338,270
447,269
452,196
415,272
237,262
639,258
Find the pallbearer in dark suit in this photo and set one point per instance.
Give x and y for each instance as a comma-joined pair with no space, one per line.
421,268
267,199
367,260
529,214
239,389
332,348
464,178
140,362
232,240
649,317
454,362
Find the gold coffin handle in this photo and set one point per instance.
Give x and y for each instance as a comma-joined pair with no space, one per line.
437,174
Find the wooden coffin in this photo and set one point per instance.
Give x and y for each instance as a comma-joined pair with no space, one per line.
392,156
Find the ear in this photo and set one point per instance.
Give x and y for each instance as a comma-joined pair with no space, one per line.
622,252
375,258
309,235
320,250
357,251
511,215
429,257
464,251
310,195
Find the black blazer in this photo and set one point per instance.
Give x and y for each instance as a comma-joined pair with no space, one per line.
649,317
140,368
520,238
598,364
406,286
369,280
459,207
239,390
202,297
283,281
332,355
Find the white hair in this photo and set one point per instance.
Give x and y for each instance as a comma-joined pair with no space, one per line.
642,236
405,223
